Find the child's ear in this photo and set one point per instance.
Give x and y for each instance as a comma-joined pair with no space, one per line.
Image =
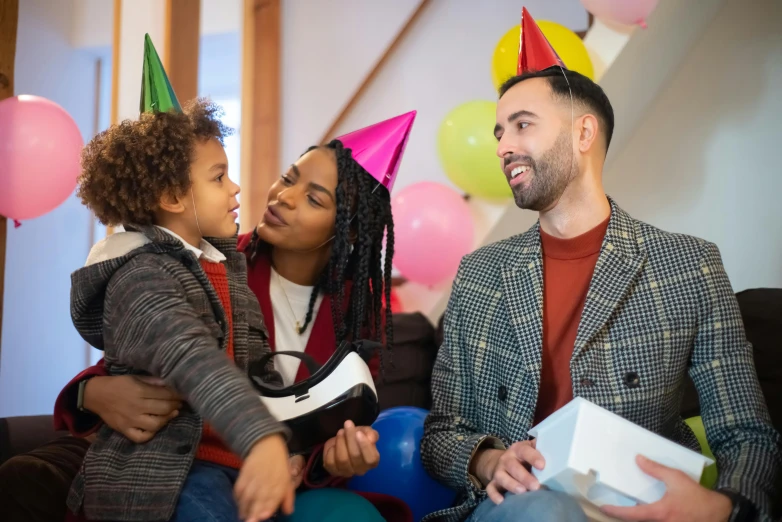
171,203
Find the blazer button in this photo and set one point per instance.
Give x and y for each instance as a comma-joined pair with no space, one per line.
632,380
586,382
502,393
184,449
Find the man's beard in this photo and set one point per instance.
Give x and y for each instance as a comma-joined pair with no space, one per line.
551,175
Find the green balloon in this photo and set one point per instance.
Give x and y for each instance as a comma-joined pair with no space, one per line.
709,477
468,150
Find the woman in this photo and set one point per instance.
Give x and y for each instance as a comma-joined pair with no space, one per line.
315,263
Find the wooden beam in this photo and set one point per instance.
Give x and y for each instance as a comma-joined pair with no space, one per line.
422,4
115,48
96,103
95,130
182,37
9,19
260,130
115,54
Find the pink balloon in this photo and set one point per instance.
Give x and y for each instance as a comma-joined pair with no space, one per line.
628,12
40,146
433,230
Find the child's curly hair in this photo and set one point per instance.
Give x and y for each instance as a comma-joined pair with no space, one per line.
128,167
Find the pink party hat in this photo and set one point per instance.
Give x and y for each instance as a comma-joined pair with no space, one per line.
379,147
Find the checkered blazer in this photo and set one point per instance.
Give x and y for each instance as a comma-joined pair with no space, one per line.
659,306
154,311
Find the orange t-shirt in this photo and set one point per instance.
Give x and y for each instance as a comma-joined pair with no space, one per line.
568,265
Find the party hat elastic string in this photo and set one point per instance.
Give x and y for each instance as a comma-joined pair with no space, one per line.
537,55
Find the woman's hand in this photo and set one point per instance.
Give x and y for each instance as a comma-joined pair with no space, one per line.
297,464
352,452
138,407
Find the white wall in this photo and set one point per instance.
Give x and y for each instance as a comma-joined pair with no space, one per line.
445,60
40,348
138,17
93,22
706,159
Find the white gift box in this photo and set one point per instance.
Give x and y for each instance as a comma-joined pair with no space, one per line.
590,454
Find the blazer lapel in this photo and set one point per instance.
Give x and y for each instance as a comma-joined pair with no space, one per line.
618,265
522,282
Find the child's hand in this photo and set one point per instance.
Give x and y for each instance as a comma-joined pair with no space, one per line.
264,482
352,452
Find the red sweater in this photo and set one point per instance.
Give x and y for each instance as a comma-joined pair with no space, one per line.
568,265
212,448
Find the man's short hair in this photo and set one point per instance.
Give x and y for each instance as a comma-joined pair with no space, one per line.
585,92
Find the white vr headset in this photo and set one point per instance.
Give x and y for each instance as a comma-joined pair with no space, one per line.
316,408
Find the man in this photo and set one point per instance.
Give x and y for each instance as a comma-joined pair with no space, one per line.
589,302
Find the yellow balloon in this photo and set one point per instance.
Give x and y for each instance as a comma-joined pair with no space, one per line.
565,42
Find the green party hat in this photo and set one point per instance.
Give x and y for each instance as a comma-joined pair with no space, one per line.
157,95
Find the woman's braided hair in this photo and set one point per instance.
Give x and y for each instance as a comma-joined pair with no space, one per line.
363,218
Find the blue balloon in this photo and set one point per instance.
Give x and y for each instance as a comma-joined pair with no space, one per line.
400,472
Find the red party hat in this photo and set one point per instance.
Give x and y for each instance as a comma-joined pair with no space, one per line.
535,53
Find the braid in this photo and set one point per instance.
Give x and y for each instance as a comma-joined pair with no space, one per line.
337,271
310,308
358,313
363,218
389,224
332,280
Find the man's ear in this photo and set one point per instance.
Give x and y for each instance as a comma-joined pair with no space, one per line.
171,203
588,127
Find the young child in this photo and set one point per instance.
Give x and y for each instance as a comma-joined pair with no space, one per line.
162,300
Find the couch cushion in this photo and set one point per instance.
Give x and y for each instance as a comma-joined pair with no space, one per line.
22,434
34,486
406,381
761,310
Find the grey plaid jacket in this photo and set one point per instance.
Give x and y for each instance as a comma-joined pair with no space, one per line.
659,306
153,311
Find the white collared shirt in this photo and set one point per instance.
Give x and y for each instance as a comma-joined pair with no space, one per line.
207,251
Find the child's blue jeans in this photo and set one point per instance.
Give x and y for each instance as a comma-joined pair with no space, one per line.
207,496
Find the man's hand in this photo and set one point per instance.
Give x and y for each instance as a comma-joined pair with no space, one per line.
508,470
297,463
138,407
684,501
264,484
352,452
